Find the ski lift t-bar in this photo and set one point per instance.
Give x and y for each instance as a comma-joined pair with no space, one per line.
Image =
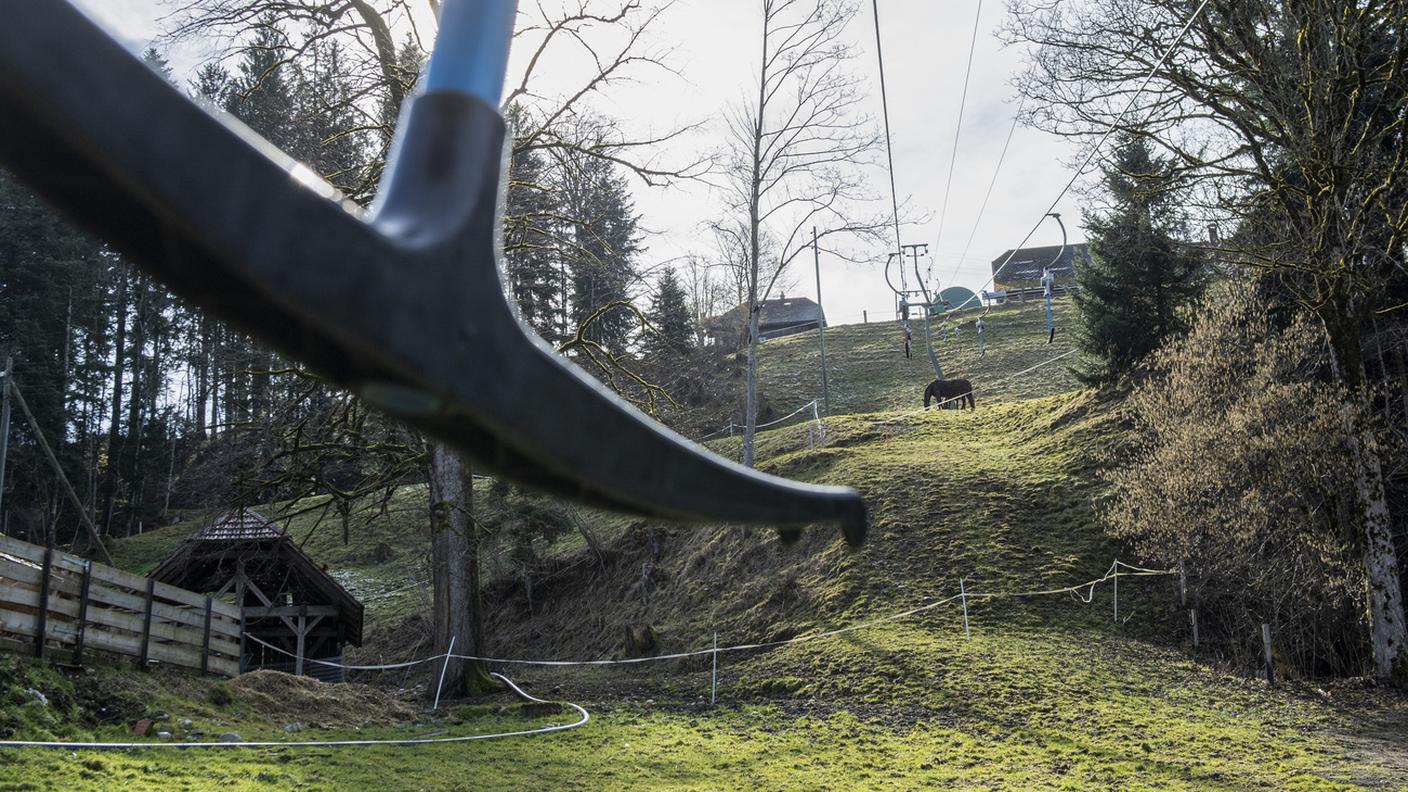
403,305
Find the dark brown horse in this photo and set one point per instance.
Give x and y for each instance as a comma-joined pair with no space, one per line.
945,390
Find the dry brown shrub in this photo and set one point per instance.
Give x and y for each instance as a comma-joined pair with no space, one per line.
1241,473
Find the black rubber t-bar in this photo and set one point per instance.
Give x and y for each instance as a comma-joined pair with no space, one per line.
404,306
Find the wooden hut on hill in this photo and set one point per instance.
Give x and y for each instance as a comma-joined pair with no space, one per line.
292,609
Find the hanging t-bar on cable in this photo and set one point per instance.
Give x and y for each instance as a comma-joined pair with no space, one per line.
1048,276
925,298
403,305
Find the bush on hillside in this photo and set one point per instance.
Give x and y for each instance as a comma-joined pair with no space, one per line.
1241,473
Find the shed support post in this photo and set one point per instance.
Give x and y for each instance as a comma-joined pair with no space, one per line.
302,632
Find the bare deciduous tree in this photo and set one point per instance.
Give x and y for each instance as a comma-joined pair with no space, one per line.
796,154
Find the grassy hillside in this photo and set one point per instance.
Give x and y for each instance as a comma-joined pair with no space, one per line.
1049,692
867,370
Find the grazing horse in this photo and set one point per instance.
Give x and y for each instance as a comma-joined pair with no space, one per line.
943,390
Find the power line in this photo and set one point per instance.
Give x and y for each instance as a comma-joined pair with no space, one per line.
1093,152
958,130
885,111
984,206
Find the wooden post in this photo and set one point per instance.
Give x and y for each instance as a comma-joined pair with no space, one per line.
302,634
82,611
963,594
42,628
1270,664
1193,618
205,641
59,472
239,600
864,317
147,624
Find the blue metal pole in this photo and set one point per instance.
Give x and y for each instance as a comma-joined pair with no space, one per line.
471,49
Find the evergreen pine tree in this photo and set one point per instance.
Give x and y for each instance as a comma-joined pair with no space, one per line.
605,243
671,315
1128,297
531,244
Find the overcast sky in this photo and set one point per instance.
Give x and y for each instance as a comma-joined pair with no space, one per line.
926,46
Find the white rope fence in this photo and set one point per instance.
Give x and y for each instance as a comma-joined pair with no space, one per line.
1083,592
107,746
1004,380
732,427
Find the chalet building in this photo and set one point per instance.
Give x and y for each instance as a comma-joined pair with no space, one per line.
780,317
1025,269
293,611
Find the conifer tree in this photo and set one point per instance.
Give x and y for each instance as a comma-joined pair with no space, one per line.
1128,297
671,315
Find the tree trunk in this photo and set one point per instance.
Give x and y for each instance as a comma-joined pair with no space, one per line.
454,571
115,418
1387,631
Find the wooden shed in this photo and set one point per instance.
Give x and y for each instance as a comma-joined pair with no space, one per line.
292,609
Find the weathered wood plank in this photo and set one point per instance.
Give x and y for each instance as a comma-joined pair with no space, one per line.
70,585
12,597
114,577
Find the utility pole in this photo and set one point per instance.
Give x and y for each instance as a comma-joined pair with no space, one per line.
820,324
5,421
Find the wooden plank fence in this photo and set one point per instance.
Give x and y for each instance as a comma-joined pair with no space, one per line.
52,602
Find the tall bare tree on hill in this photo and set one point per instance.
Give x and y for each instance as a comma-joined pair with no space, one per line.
795,158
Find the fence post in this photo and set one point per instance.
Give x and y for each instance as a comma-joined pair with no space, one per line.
1193,617
147,624
448,654
1117,591
82,612
714,675
205,642
864,317
963,594
1270,664
43,626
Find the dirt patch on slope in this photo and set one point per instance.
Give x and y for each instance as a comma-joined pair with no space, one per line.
285,698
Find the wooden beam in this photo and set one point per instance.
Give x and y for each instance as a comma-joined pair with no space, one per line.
289,611
58,470
147,626
43,616
83,612
205,644
302,633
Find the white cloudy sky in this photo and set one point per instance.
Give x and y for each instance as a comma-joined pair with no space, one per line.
926,45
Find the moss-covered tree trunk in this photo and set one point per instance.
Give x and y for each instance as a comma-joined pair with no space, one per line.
454,571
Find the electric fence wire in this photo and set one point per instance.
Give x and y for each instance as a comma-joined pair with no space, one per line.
120,746
1028,370
811,405
1090,157
1082,591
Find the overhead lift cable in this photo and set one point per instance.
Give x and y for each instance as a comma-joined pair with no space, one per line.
1094,151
